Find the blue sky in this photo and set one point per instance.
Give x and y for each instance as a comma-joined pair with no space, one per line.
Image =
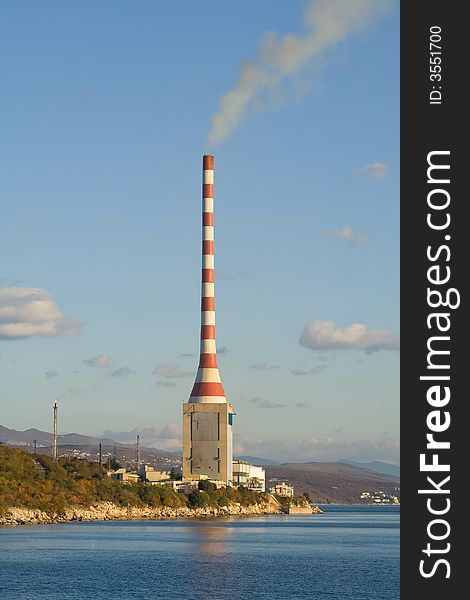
106,111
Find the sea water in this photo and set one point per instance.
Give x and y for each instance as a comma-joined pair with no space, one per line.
347,553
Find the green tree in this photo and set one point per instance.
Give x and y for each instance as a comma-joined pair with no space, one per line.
196,499
206,486
175,475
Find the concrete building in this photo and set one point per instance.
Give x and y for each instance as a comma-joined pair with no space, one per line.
283,489
207,416
151,475
126,476
181,486
178,486
249,476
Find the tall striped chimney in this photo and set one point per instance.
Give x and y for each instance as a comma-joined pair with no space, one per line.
208,387
207,416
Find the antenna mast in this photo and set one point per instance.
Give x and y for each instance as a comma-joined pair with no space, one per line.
137,452
55,453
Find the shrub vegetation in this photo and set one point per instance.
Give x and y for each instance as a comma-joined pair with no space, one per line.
36,481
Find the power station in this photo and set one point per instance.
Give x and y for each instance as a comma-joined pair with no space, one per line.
207,416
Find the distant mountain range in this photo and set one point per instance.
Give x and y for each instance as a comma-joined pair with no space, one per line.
87,447
257,461
43,439
26,438
377,465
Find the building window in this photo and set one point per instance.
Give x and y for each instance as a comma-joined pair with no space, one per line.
230,418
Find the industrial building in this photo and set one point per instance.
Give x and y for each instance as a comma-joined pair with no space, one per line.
282,488
207,416
124,475
152,475
249,476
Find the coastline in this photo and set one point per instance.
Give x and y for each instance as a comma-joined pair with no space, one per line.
107,511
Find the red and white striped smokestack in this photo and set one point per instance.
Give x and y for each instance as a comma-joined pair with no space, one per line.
207,387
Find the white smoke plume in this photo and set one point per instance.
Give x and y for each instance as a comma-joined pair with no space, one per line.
328,22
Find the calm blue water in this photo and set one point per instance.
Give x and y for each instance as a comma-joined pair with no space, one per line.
348,553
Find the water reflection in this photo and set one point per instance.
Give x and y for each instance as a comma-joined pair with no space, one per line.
210,538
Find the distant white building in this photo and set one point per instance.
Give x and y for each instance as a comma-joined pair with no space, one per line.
283,489
123,475
249,476
151,475
380,497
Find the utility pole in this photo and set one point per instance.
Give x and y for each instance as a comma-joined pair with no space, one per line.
55,452
137,452
101,456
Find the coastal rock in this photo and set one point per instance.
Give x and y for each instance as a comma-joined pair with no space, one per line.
107,511
303,509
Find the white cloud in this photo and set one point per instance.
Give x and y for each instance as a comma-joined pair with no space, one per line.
376,170
167,438
102,361
324,335
320,449
171,370
347,234
122,372
28,312
260,403
302,405
312,371
262,366
51,374
327,22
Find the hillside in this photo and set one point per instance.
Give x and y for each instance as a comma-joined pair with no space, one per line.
37,482
326,482
376,465
256,460
331,482
31,484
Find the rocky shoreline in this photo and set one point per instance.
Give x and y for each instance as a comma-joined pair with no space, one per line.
106,511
